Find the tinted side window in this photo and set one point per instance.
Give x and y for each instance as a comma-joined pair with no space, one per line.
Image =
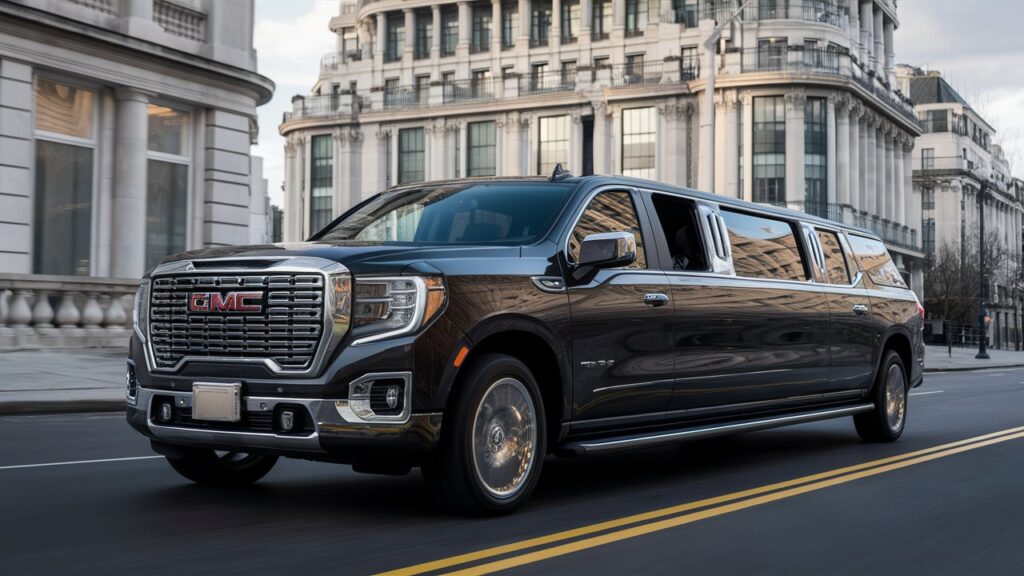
835,261
683,237
608,212
875,261
763,247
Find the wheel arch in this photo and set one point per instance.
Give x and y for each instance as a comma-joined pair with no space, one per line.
899,342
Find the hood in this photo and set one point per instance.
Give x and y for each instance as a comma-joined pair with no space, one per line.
360,257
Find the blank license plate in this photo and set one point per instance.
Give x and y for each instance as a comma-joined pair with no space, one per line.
219,402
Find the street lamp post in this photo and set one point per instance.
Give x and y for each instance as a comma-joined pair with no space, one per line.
983,292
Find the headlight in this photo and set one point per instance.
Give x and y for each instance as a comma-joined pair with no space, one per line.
386,307
140,318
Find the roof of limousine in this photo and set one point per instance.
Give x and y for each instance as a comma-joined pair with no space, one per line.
594,181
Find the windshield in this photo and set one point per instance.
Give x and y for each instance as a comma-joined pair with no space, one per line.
496,213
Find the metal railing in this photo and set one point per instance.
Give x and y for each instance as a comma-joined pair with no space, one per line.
630,74
820,11
827,210
105,6
780,58
471,90
554,81
891,232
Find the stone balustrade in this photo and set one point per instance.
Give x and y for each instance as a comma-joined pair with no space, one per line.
45,311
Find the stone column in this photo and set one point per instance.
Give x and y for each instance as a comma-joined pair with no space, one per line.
879,60
832,163
890,174
854,200
465,27
748,148
867,41
129,198
731,155
870,160
555,39
618,14
879,191
410,35
911,197
888,27
586,16
719,140
435,43
496,37
382,33
523,43
795,186
601,136
854,8
900,214
843,153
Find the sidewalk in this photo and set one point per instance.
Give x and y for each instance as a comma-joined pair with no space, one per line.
93,380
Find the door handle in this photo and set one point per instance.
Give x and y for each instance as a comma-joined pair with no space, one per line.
860,309
655,300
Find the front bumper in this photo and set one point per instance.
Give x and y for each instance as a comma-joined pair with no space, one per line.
328,437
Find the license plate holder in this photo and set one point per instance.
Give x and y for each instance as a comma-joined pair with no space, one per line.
216,401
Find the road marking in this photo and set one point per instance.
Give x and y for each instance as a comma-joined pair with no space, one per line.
651,527
673,510
926,393
78,462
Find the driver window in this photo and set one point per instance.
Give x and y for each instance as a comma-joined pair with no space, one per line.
611,211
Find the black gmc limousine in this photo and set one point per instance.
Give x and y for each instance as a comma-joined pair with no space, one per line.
471,327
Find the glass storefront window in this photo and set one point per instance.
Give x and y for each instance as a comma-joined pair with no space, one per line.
66,110
321,178
166,210
554,144
62,226
168,130
639,126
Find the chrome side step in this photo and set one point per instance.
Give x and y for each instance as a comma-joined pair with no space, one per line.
603,445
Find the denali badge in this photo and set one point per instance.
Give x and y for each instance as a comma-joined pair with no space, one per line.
227,302
597,364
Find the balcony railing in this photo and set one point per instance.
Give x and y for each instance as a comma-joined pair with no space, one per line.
598,36
471,90
555,81
689,69
105,6
780,58
636,73
43,311
891,232
180,21
820,11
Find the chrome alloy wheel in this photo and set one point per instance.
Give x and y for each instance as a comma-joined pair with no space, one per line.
504,441
895,398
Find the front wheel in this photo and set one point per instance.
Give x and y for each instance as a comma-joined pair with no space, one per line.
221,468
493,445
886,421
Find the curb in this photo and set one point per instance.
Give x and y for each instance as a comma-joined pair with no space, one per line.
31,407
972,368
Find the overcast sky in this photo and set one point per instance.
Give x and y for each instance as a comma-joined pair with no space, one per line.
977,44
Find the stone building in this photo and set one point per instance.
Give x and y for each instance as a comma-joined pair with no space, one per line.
125,133
952,159
805,111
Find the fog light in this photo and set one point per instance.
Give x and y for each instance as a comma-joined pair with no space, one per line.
166,411
287,420
391,397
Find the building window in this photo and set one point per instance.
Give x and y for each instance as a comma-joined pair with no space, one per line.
568,74
636,17
570,20
480,84
771,54
540,23
350,43
769,151
928,199
64,173
772,9
449,30
424,34
553,137
928,158
639,127
422,89
321,179
601,25
816,157
167,177
390,92
481,41
395,37
539,78
481,149
685,12
689,63
410,155
509,24
634,69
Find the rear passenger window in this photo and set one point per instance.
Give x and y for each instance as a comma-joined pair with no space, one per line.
763,247
608,212
678,219
835,261
875,261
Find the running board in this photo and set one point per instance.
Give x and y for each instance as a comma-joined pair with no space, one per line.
603,445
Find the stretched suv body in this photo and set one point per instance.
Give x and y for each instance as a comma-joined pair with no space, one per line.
471,327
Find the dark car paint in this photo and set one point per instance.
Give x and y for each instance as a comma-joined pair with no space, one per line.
726,345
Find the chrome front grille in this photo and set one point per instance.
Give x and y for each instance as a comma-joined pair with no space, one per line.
287,330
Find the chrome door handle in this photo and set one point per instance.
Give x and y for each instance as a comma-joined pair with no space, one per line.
655,300
860,309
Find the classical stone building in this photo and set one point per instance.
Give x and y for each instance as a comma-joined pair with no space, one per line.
125,133
952,159
805,112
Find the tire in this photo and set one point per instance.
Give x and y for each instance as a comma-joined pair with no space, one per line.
493,439
230,469
885,423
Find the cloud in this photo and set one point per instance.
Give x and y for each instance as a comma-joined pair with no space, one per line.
290,37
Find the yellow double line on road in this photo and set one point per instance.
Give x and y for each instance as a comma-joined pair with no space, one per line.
601,533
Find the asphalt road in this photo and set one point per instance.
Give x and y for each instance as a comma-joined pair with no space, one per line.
712,507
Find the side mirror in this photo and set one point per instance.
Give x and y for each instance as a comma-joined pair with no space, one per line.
608,250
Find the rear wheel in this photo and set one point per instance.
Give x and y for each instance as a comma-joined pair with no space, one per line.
886,421
493,445
221,468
